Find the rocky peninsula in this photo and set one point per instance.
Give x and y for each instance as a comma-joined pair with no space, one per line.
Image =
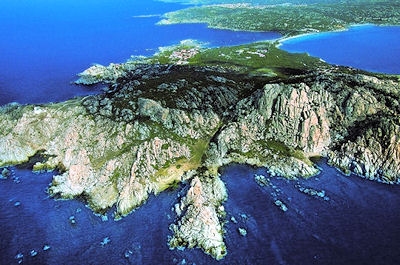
159,124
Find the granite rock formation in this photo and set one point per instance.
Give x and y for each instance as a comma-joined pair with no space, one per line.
157,123
200,213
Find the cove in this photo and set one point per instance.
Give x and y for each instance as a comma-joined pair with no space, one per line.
44,44
368,47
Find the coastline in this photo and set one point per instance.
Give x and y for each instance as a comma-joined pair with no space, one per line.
360,46
312,34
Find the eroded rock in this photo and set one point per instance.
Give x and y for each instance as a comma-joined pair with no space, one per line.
116,148
199,220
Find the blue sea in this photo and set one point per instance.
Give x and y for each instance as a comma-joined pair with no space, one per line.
368,47
44,44
356,222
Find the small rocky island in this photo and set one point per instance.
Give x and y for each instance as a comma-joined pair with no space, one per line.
159,123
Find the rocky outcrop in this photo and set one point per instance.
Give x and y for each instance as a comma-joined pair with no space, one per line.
365,132
351,118
374,153
157,123
280,126
98,73
122,169
200,215
108,162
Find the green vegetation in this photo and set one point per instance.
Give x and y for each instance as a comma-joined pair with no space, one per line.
281,149
255,2
269,2
263,59
171,172
258,59
289,19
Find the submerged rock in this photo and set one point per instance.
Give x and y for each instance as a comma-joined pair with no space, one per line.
105,241
72,219
261,180
313,192
5,173
281,205
242,231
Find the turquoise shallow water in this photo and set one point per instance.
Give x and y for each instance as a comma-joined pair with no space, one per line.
367,47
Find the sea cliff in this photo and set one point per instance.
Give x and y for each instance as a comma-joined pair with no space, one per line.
160,124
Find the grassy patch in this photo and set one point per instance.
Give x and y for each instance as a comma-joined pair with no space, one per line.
260,59
171,172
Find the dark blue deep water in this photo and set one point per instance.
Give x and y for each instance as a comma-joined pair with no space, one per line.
44,44
357,223
367,47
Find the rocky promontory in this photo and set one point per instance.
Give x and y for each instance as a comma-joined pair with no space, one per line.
160,124
350,118
200,217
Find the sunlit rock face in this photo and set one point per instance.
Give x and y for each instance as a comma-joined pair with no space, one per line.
352,119
374,154
200,213
107,162
155,125
279,126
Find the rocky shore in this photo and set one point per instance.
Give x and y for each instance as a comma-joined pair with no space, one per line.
200,217
158,125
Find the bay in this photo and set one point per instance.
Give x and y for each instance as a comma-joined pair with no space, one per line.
368,47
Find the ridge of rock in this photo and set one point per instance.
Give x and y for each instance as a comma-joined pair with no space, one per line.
199,214
156,124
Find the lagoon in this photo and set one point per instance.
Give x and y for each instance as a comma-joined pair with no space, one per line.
367,47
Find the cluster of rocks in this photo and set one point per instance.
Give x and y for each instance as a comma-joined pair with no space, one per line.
33,253
5,173
350,118
186,88
261,180
281,205
313,192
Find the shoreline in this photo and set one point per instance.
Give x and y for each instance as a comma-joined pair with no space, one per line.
307,43
309,34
